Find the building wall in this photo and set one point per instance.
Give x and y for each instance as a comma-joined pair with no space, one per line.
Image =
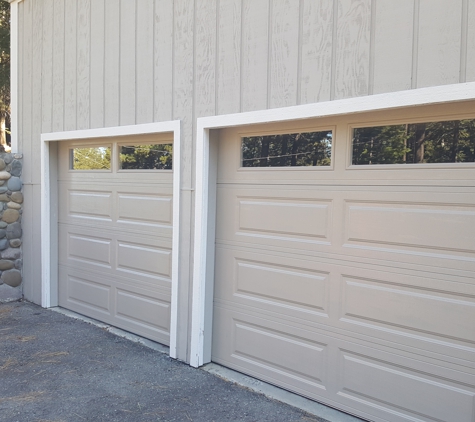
98,63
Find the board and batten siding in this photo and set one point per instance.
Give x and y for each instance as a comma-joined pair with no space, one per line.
101,63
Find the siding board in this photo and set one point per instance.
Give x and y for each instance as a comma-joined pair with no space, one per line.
163,61
353,48
111,63
439,42
83,63
284,53
97,62
27,83
393,45
58,66
144,53
127,62
183,64
470,61
229,57
205,63
317,30
47,67
70,65
255,45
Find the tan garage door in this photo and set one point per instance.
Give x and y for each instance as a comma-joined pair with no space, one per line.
345,263
115,232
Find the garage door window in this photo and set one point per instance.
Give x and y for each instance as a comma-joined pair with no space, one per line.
416,143
288,150
146,157
86,158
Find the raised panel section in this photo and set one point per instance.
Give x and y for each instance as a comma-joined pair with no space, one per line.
144,209
90,204
89,294
293,217
405,307
143,310
280,285
280,352
143,259
403,392
428,226
92,250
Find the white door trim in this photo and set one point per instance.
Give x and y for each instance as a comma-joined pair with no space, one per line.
49,211
206,163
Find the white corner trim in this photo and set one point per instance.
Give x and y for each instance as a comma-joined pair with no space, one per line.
203,245
47,175
14,74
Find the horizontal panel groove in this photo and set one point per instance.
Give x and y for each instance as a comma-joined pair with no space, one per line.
346,260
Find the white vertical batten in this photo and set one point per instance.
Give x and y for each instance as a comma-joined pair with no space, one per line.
14,73
47,175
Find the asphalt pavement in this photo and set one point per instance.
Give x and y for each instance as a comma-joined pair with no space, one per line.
54,368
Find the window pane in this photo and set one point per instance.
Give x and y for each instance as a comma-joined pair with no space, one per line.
435,142
287,150
146,157
97,158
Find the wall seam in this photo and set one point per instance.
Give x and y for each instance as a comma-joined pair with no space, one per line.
463,42
372,40
216,61
240,55
415,44
334,49
269,53
299,60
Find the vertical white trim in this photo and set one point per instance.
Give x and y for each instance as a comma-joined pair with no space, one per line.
14,74
45,226
48,174
205,206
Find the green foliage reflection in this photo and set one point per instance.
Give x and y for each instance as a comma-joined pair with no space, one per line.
91,158
435,142
146,157
293,149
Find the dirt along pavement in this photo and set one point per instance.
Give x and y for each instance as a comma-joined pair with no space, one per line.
54,368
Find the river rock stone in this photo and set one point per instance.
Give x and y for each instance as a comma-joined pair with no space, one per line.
11,253
4,197
13,205
18,264
3,233
18,156
11,277
3,244
10,216
17,197
14,231
3,225
8,158
14,184
4,175
16,168
2,164
15,243
6,264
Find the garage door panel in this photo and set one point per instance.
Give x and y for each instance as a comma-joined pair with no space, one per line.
411,311
398,388
88,293
91,250
91,204
291,287
144,209
267,348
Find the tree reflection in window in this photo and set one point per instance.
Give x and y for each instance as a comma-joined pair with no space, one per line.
146,157
90,158
434,142
287,150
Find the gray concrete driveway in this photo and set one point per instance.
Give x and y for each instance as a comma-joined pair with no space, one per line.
55,368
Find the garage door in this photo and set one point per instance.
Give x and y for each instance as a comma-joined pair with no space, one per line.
345,263
115,232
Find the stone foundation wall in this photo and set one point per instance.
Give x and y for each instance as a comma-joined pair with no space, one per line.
11,209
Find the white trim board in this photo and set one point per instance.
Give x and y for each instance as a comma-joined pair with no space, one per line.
49,237
206,161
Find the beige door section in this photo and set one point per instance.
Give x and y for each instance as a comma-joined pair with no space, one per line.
115,244
352,286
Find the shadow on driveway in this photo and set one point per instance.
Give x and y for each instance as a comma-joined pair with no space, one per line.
54,368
